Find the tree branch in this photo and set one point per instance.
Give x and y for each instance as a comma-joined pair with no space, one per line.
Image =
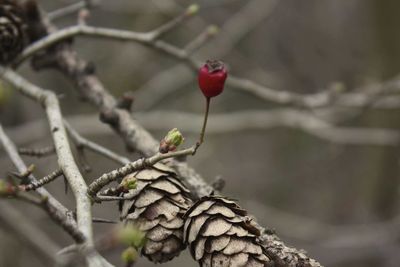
316,100
131,167
83,142
58,212
65,159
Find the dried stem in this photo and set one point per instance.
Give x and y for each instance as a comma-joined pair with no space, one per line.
203,129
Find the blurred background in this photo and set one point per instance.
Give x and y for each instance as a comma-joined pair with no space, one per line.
337,200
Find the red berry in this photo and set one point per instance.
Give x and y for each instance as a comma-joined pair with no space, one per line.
212,78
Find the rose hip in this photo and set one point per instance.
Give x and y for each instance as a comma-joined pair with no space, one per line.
212,76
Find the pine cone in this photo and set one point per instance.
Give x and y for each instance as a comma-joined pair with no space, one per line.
221,235
19,26
12,30
156,207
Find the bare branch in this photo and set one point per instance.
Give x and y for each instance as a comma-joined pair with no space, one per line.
65,159
131,167
64,154
34,152
70,9
58,212
315,100
81,29
267,119
45,180
83,142
172,24
201,39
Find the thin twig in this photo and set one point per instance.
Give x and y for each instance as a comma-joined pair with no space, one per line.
201,39
224,123
58,211
172,24
37,152
82,141
131,167
45,180
315,100
70,9
269,119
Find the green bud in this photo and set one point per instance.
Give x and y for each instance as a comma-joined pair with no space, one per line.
3,188
130,235
6,189
129,255
129,183
192,9
212,30
338,87
5,93
174,137
171,141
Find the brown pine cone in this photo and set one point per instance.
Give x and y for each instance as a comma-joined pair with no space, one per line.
221,235
156,207
12,30
20,25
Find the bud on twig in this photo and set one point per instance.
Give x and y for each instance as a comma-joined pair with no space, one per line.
130,235
129,255
171,141
212,30
192,9
128,183
6,189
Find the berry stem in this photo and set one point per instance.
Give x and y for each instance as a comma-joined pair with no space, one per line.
203,130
